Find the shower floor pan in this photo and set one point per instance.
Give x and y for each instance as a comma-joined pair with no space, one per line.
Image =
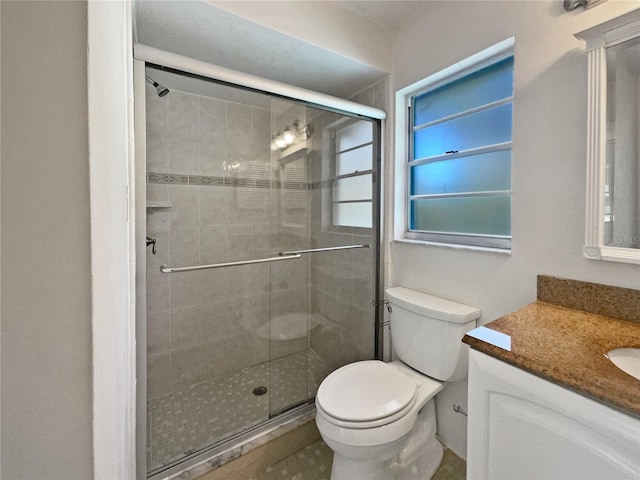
185,421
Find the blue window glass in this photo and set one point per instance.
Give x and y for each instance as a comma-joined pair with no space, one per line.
485,86
469,193
487,215
487,127
477,173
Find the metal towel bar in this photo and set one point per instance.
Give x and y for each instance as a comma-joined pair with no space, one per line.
165,269
281,256
323,249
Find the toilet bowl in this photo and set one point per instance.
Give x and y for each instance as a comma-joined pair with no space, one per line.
366,412
379,418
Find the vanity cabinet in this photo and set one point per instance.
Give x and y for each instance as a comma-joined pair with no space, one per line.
521,426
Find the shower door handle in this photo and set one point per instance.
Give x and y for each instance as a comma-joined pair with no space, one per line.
166,269
281,256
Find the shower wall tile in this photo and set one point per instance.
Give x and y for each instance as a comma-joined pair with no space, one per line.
238,132
186,365
183,133
249,280
236,351
214,285
158,222
184,246
159,380
186,327
213,244
249,314
156,192
162,253
262,241
242,210
214,360
212,134
158,332
289,274
156,113
362,286
215,321
185,204
213,205
157,292
323,276
241,242
345,291
186,289
261,352
289,301
260,135
359,328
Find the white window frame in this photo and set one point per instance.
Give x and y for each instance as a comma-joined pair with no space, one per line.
331,132
403,144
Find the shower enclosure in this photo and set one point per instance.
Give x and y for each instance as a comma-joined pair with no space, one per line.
262,270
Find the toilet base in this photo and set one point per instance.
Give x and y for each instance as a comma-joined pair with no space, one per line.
345,468
423,452
418,459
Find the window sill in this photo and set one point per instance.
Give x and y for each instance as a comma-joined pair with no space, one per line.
453,246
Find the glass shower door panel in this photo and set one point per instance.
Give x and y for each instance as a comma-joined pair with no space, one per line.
208,330
341,287
288,345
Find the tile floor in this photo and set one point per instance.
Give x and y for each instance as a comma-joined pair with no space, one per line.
314,463
182,422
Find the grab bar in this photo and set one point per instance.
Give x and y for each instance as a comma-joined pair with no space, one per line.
165,269
281,256
324,249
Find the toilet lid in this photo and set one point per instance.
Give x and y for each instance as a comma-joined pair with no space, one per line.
365,391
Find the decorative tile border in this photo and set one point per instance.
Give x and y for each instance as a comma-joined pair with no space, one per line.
167,178
209,181
206,181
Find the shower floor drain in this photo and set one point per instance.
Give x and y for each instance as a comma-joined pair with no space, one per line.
259,391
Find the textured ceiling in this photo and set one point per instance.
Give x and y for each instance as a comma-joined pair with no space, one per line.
202,31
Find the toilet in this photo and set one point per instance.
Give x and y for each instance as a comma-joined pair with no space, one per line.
379,418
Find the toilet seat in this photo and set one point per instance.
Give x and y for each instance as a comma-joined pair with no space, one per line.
366,394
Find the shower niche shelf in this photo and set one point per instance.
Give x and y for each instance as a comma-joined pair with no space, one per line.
159,204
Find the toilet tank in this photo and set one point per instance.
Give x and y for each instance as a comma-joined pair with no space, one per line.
427,331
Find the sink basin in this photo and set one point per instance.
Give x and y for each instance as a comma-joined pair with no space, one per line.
627,360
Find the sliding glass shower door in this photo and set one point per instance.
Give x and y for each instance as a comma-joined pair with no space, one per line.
249,302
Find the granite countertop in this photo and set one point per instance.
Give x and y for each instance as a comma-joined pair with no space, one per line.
567,347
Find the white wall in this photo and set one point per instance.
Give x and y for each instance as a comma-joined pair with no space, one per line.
46,284
549,169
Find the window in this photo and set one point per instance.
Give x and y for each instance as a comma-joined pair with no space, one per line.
353,174
459,155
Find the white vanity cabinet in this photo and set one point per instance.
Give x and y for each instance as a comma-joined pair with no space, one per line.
521,426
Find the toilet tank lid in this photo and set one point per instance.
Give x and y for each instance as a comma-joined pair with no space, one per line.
431,306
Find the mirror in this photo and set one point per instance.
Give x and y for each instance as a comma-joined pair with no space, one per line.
621,198
613,140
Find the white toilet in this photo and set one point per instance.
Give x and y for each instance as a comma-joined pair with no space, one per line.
379,418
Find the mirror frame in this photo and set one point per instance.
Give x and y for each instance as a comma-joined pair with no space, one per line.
598,39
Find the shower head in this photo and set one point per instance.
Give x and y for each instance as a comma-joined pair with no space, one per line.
162,91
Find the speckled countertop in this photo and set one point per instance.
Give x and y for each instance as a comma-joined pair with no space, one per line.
567,347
